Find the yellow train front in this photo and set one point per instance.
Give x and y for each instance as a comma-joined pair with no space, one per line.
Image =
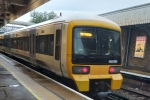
94,55
84,48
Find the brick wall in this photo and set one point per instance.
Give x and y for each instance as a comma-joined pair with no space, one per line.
141,30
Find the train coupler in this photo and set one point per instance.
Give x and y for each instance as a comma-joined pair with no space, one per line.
103,94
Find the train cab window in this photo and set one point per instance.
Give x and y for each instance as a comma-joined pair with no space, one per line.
57,45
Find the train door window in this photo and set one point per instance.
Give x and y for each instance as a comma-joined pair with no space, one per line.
57,45
15,43
26,40
12,43
33,43
22,44
37,44
0,43
50,44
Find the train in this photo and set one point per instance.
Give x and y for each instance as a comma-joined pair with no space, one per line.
82,47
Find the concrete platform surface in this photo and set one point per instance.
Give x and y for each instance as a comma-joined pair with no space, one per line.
11,89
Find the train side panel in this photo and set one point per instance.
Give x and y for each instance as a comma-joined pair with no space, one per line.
42,59
64,50
18,49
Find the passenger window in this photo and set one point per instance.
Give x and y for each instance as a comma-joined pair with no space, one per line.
57,45
41,46
45,44
27,43
15,43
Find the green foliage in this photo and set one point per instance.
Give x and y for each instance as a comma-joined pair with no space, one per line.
38,17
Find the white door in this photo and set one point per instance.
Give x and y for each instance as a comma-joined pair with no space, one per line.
57,54
32,44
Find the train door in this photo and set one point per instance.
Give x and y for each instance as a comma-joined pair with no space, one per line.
57,56
32,46
9,44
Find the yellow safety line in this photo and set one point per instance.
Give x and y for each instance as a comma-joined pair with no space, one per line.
32,92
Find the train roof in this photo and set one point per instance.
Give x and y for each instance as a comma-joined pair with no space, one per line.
67,19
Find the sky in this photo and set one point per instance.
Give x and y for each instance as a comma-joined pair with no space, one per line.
67,7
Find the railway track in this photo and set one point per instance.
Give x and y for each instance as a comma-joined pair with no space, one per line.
130,95
134,88
113,96
139,96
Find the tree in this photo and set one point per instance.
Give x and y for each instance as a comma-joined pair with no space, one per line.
37,17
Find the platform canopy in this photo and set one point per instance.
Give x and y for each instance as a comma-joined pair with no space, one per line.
130,16
14,26
13,9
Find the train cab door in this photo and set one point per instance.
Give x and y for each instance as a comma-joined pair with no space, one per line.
57,53
32,46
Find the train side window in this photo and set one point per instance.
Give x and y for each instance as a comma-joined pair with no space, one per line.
23,43
18,43
45,44
41,42
42,46
57,45
15,43
26,43
12,43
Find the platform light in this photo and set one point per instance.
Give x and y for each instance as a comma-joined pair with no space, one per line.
86,34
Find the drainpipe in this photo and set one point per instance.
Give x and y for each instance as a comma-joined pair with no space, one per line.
127,49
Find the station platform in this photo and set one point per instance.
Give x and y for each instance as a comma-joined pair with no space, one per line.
20,83
135,73
14,85
11,89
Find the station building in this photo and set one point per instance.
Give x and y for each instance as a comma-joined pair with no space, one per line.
135,25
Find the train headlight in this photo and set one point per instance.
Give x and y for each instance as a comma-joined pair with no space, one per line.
114,69
80,69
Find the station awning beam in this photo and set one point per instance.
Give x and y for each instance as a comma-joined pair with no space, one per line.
13,9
